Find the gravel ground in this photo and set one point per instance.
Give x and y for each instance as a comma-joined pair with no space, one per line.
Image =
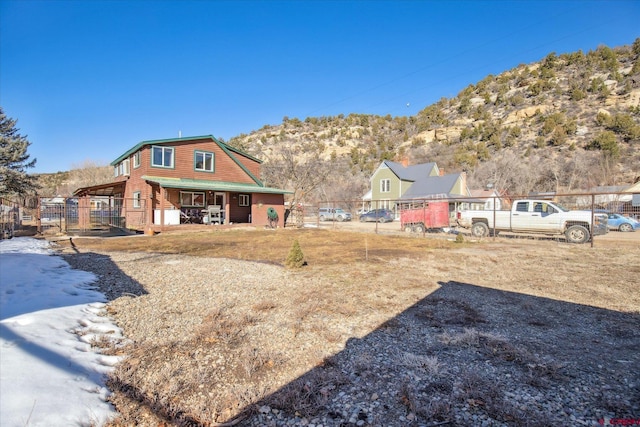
228,342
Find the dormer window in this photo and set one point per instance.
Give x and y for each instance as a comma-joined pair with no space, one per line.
122,168
162,157
136,160
203,161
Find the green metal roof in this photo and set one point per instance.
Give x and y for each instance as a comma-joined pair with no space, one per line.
200,184
221,144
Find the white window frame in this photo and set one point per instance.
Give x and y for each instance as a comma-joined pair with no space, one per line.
136,159
137,198
385,185
187,199
243,200
204,155
166,151
124,167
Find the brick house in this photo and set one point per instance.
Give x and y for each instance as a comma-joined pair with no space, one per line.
168,182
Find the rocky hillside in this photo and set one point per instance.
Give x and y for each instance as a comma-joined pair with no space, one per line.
568,122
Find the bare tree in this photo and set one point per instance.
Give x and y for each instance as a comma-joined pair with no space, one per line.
345,184
86,174
90,173
297,171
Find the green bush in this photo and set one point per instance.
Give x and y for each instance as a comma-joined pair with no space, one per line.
295,259
606,142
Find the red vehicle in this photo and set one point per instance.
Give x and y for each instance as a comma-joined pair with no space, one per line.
418,217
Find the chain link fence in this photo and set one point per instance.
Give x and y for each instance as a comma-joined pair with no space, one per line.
62,215
574,217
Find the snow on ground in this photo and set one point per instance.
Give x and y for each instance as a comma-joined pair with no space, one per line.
49,315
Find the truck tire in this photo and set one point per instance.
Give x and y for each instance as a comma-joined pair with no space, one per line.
322,218
479,229
418,228
577,234
408,228
340,218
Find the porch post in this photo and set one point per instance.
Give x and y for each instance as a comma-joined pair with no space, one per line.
149,207
162,198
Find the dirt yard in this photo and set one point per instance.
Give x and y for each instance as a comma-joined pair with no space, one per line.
376,329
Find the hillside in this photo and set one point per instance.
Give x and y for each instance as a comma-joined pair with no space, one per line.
568,122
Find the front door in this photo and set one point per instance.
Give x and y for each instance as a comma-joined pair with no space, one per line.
219,199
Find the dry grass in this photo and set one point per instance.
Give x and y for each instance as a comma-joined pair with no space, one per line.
320,247
355,284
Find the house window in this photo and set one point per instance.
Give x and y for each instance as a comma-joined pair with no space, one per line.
124,167
136,160
115,170
243,200
203,161
385,185
162,157
136,199
191,199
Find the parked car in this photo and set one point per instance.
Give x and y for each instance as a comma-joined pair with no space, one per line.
622,223
379,215
331,214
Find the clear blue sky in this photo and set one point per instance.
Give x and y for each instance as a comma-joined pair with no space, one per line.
87,80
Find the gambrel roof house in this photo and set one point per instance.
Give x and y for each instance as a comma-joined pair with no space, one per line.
196,179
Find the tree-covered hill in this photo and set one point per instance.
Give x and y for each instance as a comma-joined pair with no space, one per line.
568,122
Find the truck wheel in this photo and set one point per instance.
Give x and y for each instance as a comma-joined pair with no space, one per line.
408,229
577,234
340,218
479,229
625,227
322,218
419,228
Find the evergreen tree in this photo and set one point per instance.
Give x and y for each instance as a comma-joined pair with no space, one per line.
14,160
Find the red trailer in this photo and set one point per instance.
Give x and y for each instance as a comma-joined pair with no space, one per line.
420,216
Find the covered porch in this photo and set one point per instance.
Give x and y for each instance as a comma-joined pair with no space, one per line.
186,201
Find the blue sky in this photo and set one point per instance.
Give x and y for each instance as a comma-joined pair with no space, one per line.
87,80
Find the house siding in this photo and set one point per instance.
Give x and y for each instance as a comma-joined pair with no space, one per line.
259,205
225,169
394,185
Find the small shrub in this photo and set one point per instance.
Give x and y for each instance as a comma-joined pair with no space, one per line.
295,259
459,238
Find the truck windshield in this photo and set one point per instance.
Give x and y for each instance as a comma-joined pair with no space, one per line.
562,208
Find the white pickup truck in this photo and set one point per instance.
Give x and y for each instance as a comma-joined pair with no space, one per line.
535,216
